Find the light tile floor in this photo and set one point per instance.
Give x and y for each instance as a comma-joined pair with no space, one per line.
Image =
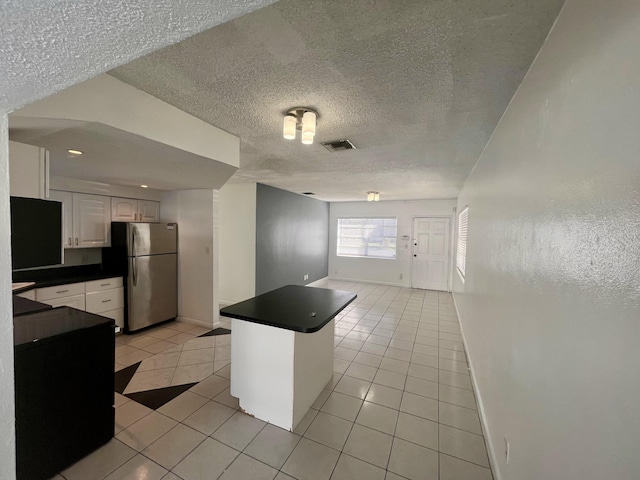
400,406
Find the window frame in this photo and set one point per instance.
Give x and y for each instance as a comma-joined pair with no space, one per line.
364,218
461,243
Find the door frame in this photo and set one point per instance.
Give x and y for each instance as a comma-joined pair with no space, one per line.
451,244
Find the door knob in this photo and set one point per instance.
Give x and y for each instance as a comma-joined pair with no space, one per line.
415,255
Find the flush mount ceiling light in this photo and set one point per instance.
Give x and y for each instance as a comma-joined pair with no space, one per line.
373,197
303,119
74,152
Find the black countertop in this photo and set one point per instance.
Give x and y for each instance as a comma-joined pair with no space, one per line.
56,321
62,275
293,307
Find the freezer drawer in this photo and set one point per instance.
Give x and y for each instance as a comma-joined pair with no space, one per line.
152,290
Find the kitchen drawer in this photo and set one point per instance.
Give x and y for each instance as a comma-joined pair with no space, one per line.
75,301
49,293
117,315
98,302
104,284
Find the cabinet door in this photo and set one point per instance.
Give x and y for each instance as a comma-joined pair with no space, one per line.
91,220
67,215
148,211
117,315
124,209
75,301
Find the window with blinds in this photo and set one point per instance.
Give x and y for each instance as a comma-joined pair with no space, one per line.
461,255
367,237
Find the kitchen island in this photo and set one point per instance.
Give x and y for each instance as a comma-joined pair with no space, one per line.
282,350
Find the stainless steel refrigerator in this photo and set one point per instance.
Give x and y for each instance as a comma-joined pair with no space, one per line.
151,269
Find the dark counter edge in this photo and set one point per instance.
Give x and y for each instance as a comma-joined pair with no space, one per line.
301,330
61,276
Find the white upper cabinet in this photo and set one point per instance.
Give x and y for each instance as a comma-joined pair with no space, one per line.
132,210
86,219
148,211
28,171
124,209
91,220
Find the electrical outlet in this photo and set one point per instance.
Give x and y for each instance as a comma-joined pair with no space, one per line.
506,449
306,276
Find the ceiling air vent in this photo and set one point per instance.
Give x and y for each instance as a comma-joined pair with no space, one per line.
338,145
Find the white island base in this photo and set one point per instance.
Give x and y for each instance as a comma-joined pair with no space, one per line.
277,374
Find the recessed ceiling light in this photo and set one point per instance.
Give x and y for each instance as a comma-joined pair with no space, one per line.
75,152
144,186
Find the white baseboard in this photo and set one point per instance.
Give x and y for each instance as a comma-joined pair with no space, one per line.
225,303
483,419
365,280
193,321
317,282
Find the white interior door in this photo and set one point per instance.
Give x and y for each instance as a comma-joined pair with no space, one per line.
430,261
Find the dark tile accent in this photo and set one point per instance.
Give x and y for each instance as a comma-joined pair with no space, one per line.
123,377
216,331
156,398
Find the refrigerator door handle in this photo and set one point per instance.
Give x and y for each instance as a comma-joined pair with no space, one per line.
133,254
135,268
133,240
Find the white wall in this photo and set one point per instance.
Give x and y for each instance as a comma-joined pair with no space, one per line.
237,239
382,270
7,412
195,212
551,304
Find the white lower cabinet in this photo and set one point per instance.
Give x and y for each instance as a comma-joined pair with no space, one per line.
106,297
29,294
59,291
103,297
75,301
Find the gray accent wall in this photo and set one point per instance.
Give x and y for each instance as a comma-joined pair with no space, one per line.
292,239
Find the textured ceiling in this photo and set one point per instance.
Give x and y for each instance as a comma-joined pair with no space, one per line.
47,45
417,86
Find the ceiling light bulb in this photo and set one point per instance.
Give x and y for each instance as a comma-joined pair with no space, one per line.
144,186
376,197
309,123
307,138
74,152
289,128
370,196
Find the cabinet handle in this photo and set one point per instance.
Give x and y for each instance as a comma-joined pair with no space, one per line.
69,241
105,284
62,291
76,240
105,301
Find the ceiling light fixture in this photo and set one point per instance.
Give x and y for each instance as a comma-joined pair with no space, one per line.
303,119
144,186
373,197
74,152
